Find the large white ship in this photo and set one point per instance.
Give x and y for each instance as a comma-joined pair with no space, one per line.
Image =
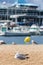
22,13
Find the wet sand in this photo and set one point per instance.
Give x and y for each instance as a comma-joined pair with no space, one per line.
34,54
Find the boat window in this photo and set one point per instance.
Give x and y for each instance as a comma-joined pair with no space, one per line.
3,29
41,28
34,28
17,28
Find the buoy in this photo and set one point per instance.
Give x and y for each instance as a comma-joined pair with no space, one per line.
27,39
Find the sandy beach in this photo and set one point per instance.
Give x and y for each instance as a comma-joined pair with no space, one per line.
33,52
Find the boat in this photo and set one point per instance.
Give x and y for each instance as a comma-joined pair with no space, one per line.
41,30
34,30
17,31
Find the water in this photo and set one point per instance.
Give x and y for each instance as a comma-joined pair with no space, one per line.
20,39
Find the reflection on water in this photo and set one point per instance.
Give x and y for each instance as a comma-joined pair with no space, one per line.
20,39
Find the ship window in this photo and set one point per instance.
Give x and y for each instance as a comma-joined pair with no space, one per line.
4,29
35,28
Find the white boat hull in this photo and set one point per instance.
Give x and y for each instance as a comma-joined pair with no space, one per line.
15,34
2,33
34,33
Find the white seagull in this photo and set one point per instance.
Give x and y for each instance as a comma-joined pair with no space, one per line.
33,42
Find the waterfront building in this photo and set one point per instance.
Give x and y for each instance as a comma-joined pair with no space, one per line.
21,13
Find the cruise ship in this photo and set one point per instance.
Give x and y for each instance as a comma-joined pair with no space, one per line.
22,13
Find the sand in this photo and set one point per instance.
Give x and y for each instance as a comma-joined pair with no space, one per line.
34,54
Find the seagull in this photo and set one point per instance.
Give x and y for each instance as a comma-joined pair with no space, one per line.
19,56
33,42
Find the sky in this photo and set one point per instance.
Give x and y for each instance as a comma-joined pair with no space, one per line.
38,2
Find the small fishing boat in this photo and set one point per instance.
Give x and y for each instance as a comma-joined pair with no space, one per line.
34,30
41,30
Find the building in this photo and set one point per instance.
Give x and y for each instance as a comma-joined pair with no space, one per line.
22,13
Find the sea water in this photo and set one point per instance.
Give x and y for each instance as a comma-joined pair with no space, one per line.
20,39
